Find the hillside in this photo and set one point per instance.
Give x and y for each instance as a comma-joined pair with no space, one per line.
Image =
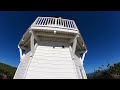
112,72
6,71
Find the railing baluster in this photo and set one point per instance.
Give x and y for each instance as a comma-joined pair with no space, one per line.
64,23
37,21
61,22
70,24
51,21
54,21
58,22
75,25
40,21
45,21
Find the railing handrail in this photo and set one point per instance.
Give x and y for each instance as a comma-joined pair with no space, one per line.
54,22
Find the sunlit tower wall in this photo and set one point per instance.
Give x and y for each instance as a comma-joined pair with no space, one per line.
51,48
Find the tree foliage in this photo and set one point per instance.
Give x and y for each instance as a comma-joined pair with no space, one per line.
7,71
112,72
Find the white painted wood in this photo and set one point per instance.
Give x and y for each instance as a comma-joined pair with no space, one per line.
44,64
54,39
83,57
24,65
24,48
74,45
72,39
40,21
21,70
54,35
82,71
55,28
32,42
26,56
79,73
36,37
78,60
52,56
26,42
70,48
20,50
37,24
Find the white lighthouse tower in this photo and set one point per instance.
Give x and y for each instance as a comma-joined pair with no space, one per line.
51,48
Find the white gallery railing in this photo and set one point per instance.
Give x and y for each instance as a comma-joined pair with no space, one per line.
54,22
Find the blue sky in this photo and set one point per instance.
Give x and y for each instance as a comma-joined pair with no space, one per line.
100,31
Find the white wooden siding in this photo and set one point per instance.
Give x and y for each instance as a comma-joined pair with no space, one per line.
49,62
26,56
80,68
21,70
77,60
